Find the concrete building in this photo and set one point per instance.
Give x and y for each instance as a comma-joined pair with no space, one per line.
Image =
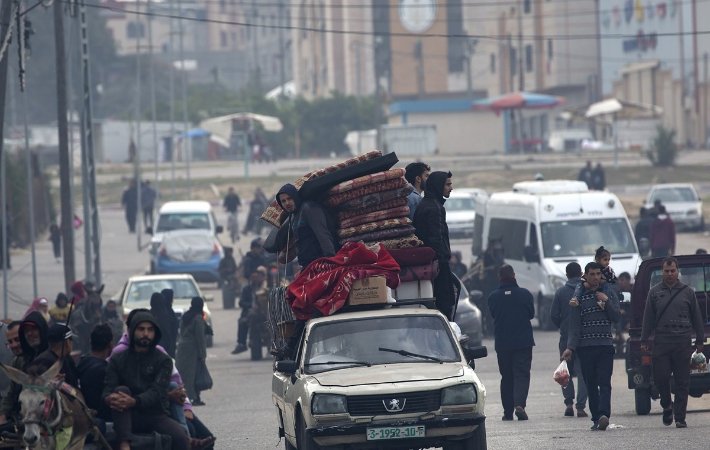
325,62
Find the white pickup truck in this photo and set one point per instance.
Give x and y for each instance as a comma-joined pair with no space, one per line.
394,377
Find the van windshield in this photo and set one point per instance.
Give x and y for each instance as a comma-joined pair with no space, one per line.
183,221
583,237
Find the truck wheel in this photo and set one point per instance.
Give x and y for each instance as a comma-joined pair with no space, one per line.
643,401
304,442
477,441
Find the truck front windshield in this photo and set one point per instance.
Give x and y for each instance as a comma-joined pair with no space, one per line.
583,237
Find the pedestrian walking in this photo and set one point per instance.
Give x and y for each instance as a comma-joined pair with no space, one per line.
231,204
672,314
55,236
512,309
643,226
598,178
257,282
559,314
430,226
129,201
192,348
663,236
148,196
60,311
591,337
165,318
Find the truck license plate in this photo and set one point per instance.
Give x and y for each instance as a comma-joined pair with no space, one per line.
376,434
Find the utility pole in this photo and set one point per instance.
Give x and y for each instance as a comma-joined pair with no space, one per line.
67,216
137,154
186,140
151,70
255,44
282,50
91,226
171,91
5,23
706,118
521,68
418,54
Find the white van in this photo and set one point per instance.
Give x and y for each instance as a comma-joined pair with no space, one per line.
545,225
182,215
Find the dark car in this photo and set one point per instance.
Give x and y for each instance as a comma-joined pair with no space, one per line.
695,272
468,316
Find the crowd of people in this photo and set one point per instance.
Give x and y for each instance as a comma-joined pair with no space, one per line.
143,379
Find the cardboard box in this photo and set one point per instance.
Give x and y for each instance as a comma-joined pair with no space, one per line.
414,289
368,291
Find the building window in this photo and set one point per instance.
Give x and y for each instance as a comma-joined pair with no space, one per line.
528,58
527,6
135,30
493,63
223,38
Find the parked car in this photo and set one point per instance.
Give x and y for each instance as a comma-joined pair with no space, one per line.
695,272
468,316
460,214
392,377
136,293
682,203
196,252
181,215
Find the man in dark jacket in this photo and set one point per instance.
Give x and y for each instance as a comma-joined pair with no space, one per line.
137,386
591,325
92,370
254,257
246,299
643,226
59,337
313,228
430,226
512,309
559,314
672,312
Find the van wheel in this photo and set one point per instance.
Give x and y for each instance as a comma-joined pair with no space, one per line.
642,399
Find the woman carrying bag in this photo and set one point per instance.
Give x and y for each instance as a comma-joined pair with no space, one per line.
192,350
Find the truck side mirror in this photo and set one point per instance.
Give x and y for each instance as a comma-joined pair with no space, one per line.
286,366
531,254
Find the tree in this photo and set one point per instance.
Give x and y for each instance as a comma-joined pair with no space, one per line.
664,149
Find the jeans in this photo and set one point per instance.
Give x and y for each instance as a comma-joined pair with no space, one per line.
575,369
176,411
667,359
597,367
135,421
514,367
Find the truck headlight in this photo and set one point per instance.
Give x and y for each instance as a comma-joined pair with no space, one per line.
463,394
329,404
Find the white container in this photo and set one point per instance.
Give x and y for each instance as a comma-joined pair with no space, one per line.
414,289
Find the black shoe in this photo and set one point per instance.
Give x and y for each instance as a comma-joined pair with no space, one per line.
603,423
198,402
507,417
581,412
569,411
681,424
239,349
595,427
520,413
668,416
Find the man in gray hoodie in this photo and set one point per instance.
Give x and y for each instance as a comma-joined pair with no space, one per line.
672,312
559,314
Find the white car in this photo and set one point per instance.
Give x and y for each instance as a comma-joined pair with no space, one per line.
138,289
394,377
460,213
682,203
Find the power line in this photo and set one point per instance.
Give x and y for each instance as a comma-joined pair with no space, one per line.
558,37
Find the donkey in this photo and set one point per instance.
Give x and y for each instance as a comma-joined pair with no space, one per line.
49,407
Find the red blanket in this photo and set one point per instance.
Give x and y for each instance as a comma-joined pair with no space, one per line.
324,285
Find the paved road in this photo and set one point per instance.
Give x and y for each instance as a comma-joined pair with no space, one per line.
239,409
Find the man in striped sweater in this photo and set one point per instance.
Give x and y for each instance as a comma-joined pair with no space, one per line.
590,335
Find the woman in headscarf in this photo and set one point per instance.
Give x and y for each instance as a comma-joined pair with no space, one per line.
192,348
165,317
40,305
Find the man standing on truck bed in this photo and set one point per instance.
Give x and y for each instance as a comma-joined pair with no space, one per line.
431,228
672,311
590,335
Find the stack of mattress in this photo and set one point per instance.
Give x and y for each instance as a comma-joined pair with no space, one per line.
418,267
373,208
